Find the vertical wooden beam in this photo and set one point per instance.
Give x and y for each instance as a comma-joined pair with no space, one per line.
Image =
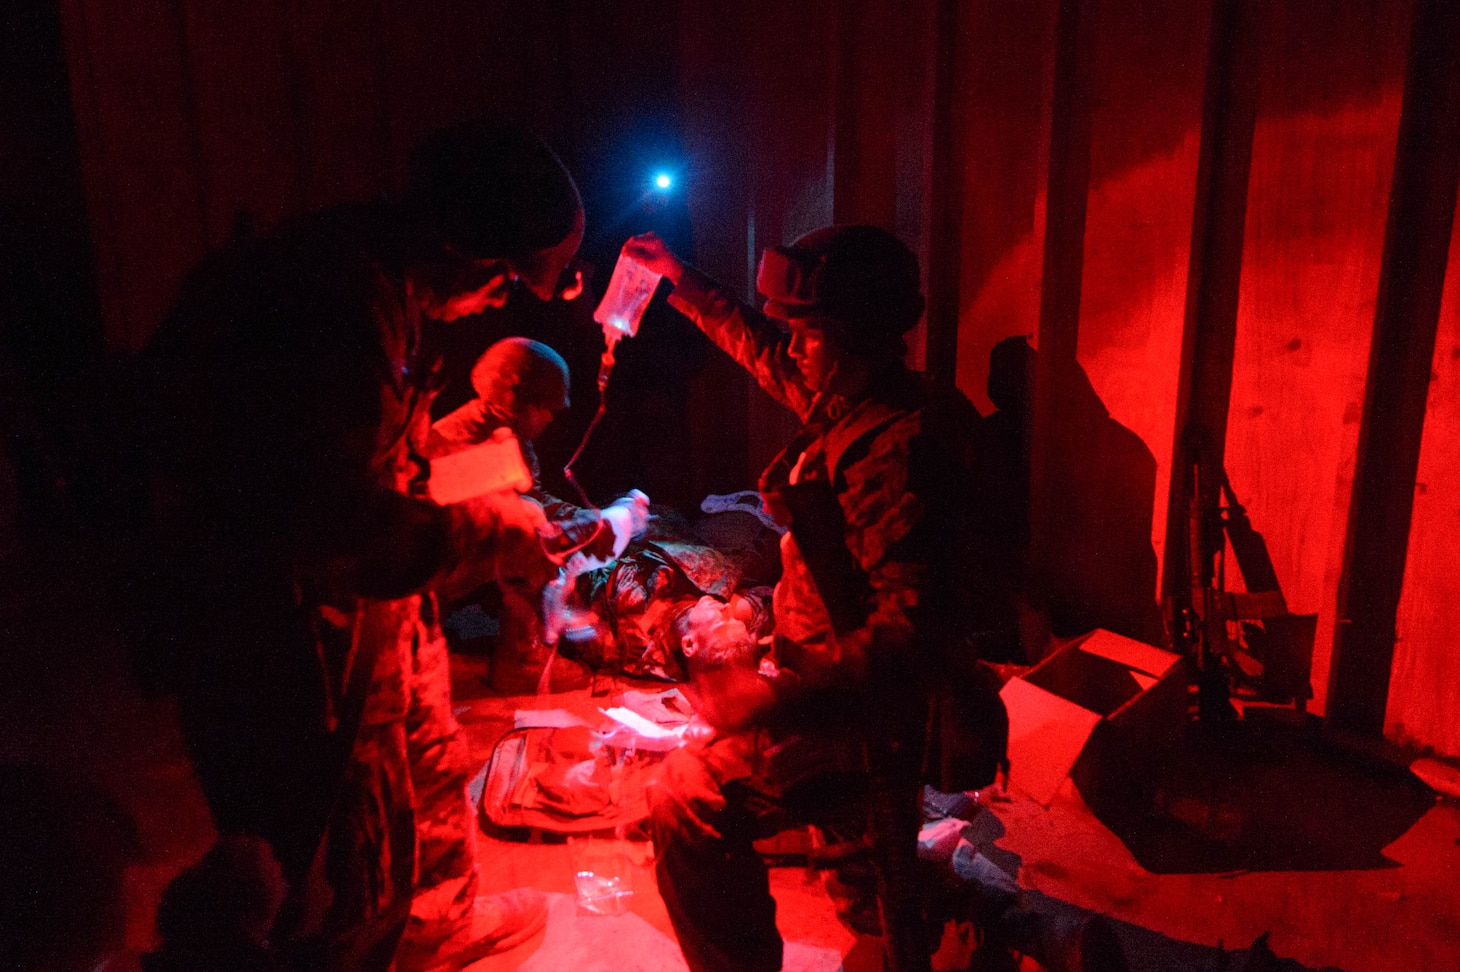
868,69
843,149
1213,282
1069,183
1411,281
945,200
1067,190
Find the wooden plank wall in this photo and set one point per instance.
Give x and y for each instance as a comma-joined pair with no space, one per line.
139,156
1006,59
1323,157
800,116
1419,707
1323,154
191,112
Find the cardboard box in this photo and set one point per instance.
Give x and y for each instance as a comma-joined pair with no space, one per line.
1103,710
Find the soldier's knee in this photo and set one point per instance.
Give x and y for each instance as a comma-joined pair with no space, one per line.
666,793
663,811
684,801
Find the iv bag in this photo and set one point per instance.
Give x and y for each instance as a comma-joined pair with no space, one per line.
629,291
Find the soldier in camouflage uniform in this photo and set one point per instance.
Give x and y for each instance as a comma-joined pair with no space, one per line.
293,398
522,385
875,492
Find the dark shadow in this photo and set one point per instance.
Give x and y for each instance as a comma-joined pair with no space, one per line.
1037,924
1046,928
638,444
644,439
1090,562
1150,951
65,849
1264,795
865,955
50,312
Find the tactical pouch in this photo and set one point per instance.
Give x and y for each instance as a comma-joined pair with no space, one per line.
820,530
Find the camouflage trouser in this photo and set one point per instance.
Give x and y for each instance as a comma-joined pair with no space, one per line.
714,798
402,845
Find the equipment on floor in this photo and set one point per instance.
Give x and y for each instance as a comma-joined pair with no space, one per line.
556,773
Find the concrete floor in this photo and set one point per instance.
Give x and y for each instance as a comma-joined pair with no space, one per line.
1343,864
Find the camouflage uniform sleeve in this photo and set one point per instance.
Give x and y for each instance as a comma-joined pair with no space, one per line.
380,544
574,528
744,334
458,430
485,539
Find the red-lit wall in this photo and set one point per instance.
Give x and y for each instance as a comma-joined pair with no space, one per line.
1005,64
1148,69
1322,161
1328,114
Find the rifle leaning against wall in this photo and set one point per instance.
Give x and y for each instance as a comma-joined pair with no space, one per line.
1245,644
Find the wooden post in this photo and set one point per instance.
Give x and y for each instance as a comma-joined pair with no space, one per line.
1212,285
1069,185
1411,280
1209,337
1067,190
945,215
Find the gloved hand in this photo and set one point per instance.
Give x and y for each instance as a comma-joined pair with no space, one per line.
653,253
627,516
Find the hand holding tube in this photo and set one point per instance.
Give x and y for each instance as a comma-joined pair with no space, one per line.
628,516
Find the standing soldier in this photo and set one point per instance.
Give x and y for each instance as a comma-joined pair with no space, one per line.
293,396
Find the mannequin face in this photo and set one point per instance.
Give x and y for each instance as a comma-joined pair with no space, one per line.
712,625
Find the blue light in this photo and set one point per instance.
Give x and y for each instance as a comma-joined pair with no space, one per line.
663,180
